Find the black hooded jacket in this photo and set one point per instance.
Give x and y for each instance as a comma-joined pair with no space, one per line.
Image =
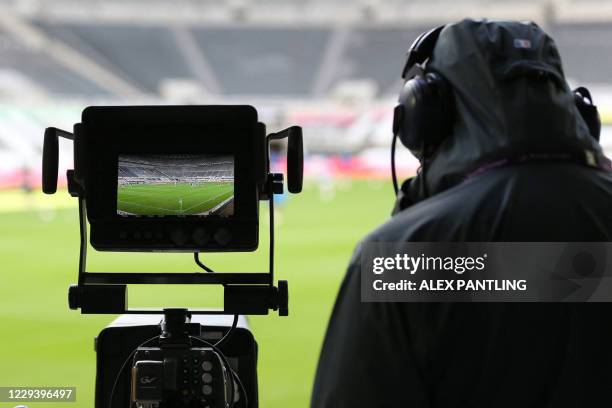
484,354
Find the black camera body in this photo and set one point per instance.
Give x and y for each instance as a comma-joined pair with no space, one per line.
179,366
174,179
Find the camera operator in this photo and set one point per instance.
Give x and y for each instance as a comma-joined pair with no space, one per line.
508,153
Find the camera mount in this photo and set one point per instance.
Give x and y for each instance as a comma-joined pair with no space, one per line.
244,292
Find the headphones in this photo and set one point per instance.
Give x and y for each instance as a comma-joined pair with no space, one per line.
588,111
425,113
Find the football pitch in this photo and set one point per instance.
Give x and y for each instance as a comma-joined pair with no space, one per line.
46,344
172,198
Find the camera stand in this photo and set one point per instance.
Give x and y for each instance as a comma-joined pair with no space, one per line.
244,293
188,350
176,329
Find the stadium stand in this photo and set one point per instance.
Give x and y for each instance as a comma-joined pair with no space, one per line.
35,67
294,59
172,169
142,54
259,60
586,50
281,60
370,51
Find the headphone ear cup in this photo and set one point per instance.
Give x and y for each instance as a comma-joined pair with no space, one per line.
588,111
425,114
408,114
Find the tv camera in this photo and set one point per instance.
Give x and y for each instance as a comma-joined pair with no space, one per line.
174,179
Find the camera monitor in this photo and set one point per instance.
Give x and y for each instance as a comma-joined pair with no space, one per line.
171,178
175,185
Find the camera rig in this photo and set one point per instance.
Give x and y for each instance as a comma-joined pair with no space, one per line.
91,182
123,151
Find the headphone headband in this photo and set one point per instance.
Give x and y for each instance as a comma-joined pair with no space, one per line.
421,50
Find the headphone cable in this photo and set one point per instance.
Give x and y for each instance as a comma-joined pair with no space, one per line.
423,169
393,172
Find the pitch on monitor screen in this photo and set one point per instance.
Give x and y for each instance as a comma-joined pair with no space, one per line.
178,184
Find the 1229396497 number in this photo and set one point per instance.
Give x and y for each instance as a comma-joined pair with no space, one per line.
10,394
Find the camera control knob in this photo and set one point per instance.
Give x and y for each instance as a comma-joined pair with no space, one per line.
223,236
200,236
74,297
178,237
283,298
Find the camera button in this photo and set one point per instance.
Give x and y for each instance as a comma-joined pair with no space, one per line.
178,237
207,378
223,236
207,366
200,236
207,390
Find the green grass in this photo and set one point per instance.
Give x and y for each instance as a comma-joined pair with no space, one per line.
45,343
172,198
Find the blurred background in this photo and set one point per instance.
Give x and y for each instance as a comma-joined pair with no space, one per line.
330,66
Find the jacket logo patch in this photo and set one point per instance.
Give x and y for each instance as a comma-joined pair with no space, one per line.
522,43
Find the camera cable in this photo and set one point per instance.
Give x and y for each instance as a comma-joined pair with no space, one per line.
112,393
229,331
393,170
196,258
421,169
213,346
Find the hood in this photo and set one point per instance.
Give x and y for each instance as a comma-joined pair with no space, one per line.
511,99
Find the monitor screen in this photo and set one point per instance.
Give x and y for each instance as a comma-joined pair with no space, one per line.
175,185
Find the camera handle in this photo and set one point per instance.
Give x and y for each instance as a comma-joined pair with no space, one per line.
50,161
295,159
